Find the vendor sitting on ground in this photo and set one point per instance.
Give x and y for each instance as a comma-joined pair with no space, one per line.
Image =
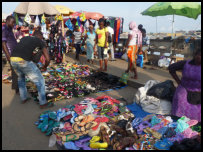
23,59
187,98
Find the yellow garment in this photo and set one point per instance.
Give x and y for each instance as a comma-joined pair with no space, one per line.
82,17
95,139
16,59
101,36
97,145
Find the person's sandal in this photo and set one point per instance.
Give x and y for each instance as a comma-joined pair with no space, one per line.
28,99
47,105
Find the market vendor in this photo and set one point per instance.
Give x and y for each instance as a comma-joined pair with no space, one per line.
8,44
187,98
23,59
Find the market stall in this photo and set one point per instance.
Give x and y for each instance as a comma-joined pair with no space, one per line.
104,123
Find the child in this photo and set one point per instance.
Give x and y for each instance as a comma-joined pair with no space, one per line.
102,44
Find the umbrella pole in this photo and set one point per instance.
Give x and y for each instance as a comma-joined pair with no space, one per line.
156,24
64,53
172,25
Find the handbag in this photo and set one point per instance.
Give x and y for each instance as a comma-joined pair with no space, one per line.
194,97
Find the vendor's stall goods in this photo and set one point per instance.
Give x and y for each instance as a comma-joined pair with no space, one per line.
104,123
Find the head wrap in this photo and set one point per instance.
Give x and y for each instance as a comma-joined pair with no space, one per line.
133,27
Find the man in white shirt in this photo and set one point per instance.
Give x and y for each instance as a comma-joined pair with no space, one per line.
111,33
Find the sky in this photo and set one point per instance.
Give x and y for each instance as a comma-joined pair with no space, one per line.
130,11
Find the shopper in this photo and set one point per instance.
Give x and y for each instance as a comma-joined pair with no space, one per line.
134,38
76,40
90,39
111,35
24,58
187,98
102,44
18,34
8,44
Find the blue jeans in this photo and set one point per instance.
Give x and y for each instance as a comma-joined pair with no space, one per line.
29,69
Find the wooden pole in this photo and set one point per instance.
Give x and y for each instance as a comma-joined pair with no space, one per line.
64,52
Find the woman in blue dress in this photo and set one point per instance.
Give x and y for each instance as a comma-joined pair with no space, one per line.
90,41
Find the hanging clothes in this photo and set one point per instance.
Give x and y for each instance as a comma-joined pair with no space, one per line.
27,18
60,49
37,22
69,25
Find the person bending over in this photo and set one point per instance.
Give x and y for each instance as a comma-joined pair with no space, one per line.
23,60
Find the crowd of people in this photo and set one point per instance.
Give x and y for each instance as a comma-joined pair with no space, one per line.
24,51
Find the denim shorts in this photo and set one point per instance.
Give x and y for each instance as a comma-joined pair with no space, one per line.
102,52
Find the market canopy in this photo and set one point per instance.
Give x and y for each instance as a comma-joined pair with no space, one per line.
36,8
64,10
187,9
93,15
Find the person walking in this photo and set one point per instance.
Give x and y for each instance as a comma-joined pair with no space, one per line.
76,40
102,44
24,58
134,39
8,44
187,98
90,39
111,35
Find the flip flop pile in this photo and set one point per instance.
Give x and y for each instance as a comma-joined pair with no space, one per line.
72,80
104,123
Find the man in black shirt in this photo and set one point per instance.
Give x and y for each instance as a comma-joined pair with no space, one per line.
23,59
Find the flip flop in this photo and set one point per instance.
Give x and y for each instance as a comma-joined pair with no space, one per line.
28,99
47,105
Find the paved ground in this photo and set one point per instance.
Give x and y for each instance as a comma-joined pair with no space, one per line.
18,129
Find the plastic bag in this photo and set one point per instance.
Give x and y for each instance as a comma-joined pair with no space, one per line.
124,78
124,57
163,62
52,140
164,90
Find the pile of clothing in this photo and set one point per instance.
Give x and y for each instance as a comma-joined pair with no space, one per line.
104,123
156,97
72,80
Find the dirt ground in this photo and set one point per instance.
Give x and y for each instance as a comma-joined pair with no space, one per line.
18,129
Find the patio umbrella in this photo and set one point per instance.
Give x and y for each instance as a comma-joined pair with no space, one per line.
64,10
93,15
36,8
75,14
187,9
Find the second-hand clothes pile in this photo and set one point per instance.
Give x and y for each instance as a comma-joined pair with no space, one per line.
65,81
104,123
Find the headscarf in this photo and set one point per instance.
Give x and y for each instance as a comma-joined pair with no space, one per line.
134,28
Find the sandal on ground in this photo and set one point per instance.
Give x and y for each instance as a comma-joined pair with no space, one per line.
28,99
47,105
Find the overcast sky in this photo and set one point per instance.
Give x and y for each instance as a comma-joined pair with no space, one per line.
130,11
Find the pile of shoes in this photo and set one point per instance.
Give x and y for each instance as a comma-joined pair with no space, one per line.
104,123
72,80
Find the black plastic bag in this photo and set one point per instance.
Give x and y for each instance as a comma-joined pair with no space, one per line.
164,90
